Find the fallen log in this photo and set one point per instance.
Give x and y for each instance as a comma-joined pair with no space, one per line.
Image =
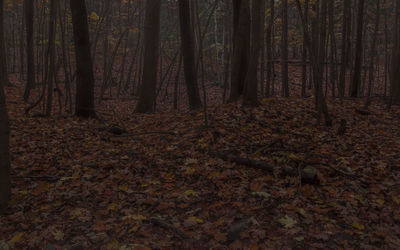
308,174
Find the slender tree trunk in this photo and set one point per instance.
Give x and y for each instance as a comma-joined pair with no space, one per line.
395,67
176,83
29,21
332,54
373,55
67,84
84,106
316,62
304,56
5,181
151,50
284,50
262,49
355,86
345,48
188,53
52,56
269,50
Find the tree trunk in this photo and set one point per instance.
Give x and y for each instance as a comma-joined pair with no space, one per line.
52,57
5,182
250,96
345,51
241,47
270,76
304,54
316,57
84,106
395,67
151,50
29,10
357,63
371,74
332,55
284,50
188,53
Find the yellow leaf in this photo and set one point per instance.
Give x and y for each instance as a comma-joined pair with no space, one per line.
190,171
358,226
254,247
133,229
287,222
380,201
294,157
93,16
194,218
134,30
169,176
113,245
190,193
17,238
123,188
214,174
112,207
134,217
23,192
190,161
360,198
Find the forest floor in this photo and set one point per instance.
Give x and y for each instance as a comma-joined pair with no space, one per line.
165,180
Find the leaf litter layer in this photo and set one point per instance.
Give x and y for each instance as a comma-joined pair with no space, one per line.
166,181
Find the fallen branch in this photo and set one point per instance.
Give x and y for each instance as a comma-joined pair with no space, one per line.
309,177
165,225
363,112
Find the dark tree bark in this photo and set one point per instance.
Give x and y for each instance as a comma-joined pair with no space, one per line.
241,48
395,67
51,56
304,54
151,54
317,59
332,54
355,85
3,58
5,182
250,96
345,48
371,74
284,50
269,38
29,12
188,53
84,106
262,49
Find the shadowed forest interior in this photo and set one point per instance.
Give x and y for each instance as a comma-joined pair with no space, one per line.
199,124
